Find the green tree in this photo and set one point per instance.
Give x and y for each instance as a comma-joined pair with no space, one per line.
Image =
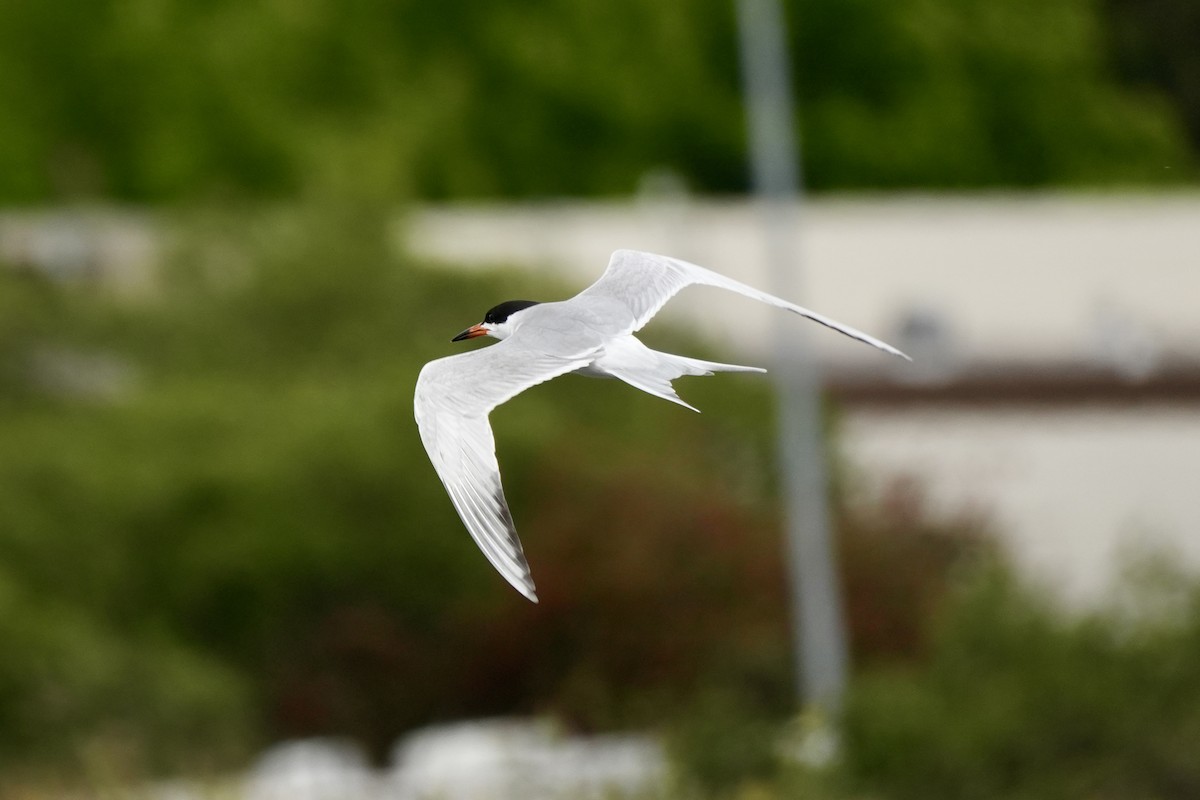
169,100
1018,701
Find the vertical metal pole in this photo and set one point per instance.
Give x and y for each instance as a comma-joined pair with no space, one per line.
817,610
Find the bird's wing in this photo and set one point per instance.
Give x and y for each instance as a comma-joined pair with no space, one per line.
644,282
453,398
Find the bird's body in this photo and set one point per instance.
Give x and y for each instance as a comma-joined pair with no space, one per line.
592,334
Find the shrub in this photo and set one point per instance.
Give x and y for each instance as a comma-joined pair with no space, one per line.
1017,700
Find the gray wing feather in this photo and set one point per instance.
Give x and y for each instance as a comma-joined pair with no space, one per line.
453,398
644,282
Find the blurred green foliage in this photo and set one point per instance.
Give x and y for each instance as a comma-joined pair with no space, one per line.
974,93
1015,701
170,100
1154,44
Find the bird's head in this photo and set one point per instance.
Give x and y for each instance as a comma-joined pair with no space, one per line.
499,322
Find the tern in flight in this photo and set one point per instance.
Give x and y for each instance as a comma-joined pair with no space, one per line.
592,334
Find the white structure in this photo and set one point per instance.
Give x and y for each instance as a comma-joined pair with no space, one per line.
312,769
518,759
1014,277
1111,283
503,759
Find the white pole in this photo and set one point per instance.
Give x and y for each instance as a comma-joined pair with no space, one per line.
818,626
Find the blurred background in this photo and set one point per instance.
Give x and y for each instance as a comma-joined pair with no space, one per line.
232,232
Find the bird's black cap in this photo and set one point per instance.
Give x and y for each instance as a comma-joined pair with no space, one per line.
500,313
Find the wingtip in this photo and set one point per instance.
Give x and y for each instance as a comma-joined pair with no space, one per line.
527,589
887,348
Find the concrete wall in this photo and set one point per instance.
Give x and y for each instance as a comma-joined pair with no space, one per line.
1012,277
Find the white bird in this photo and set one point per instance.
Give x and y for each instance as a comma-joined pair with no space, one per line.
592,334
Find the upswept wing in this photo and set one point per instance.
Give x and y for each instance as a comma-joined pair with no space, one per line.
644,282
453,398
